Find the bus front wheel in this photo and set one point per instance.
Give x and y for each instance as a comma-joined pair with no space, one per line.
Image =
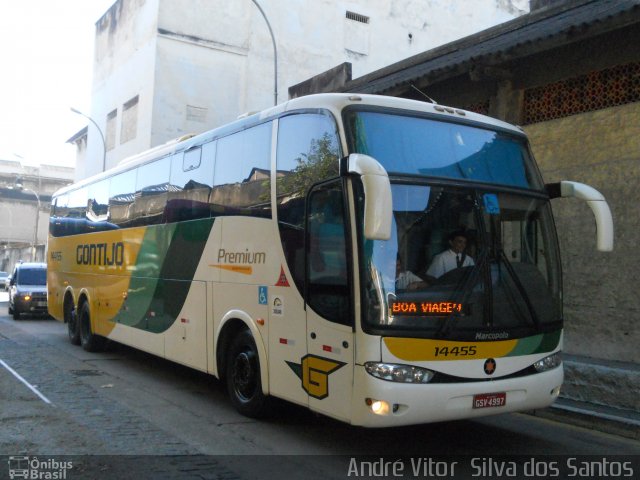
243,376
89,340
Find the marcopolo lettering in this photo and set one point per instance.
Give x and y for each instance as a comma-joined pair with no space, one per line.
245,257
100,254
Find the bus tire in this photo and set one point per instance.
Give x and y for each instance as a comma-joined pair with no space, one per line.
243,376
89,340
71,317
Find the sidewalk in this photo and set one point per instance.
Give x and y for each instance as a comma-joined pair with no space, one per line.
599,395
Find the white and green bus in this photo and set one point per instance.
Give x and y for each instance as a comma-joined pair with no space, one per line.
267,253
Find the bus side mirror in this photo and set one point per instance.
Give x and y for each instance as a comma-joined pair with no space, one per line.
597,203
377,195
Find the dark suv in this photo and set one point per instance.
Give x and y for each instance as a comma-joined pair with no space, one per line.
28,290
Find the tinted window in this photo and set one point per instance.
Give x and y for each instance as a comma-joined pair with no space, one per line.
98,203
308,152
191,183
77,206
121,195
327,259
151,192
57,224
242,175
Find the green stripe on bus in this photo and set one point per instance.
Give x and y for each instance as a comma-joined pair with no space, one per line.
545,342
172,253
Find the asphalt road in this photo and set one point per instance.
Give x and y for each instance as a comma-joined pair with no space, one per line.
127,414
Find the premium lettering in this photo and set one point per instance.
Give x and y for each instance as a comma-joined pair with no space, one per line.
100,254
245,257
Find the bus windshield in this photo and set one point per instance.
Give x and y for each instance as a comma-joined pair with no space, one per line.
415,145
463,262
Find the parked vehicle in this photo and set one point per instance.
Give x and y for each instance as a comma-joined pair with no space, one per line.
4,280
28,290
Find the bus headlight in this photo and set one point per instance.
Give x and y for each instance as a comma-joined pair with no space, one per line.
547,363
398,373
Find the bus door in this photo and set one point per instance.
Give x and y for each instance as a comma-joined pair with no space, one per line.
327,370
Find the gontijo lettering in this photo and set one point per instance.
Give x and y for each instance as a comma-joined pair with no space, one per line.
100,254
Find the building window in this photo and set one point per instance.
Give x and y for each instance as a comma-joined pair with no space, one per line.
129,120
110,140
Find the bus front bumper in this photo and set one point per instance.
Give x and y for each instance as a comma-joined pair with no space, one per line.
410,404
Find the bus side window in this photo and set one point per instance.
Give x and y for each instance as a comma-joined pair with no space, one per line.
242,176
308,152
121,194
57,224
77,211
191,183
98,206
327,265
151,192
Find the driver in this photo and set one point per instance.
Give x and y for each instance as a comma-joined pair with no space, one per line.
452,258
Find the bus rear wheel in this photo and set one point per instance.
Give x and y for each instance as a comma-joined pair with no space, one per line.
243,376
89,340
71,317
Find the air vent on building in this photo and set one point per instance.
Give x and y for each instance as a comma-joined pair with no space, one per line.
357,17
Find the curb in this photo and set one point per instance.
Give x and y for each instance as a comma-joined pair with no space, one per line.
603,419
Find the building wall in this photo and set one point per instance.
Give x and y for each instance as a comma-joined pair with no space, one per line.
124,66
197,64
600,148
19,209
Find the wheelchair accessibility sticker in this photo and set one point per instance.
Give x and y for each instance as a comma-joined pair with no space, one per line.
263,295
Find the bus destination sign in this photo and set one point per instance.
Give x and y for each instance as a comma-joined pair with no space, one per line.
424,308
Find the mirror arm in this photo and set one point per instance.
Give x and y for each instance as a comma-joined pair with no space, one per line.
597,203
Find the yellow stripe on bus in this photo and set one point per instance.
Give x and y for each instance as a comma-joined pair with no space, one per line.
244,269
419,349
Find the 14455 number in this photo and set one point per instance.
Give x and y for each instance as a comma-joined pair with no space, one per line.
463,351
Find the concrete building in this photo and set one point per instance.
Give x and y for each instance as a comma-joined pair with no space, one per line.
569,73
25,194
166,68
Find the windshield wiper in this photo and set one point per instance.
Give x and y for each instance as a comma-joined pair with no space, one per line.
464,292
520,287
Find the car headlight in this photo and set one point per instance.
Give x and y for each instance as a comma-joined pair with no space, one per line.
398,373
27,296
547,363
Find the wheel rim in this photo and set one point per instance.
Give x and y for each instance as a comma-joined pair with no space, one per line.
245,375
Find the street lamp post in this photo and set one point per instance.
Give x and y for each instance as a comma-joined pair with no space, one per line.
20,187
104,144
275,54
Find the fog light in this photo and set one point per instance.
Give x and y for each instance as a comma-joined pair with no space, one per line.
379,407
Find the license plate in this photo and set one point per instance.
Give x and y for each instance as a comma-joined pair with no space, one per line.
41,304
487,400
